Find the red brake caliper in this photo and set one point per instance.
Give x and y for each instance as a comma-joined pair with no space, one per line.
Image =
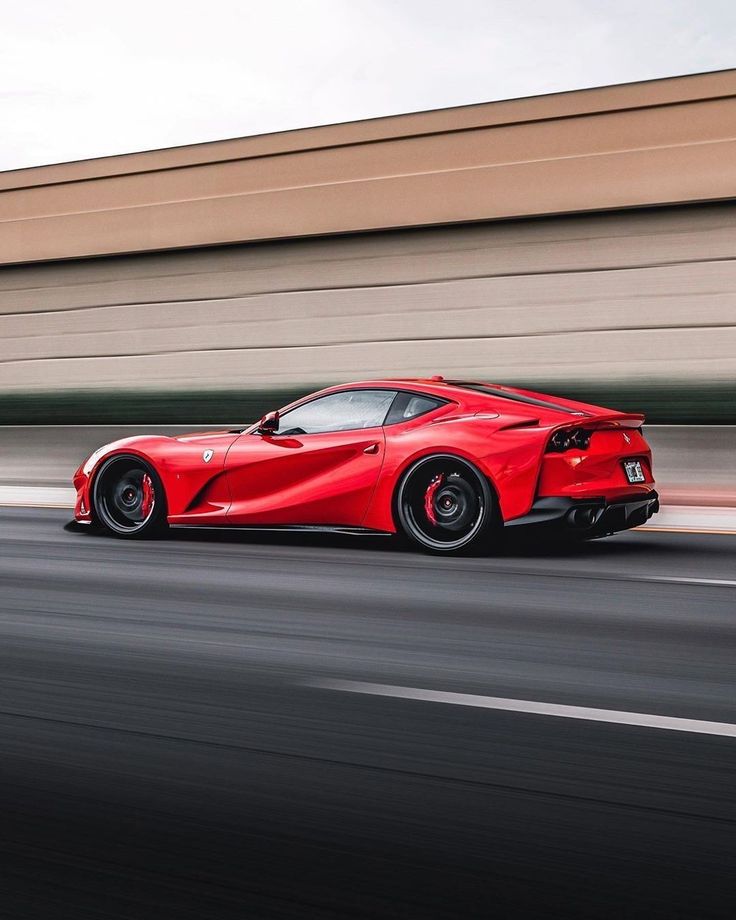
148,495
429,497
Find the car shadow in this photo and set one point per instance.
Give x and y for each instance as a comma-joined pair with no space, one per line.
515,544
255,536
538,543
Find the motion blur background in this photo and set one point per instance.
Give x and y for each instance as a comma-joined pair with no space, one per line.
581,242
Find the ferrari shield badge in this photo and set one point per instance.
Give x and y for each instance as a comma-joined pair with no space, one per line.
208,455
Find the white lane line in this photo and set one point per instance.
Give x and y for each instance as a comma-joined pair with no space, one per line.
698,517
725,533
646,720
661,579
37,496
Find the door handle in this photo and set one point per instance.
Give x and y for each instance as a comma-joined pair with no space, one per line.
371,449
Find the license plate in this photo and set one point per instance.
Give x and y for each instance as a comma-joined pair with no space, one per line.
633,470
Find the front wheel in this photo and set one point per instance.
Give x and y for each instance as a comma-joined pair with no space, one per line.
445,505
128,498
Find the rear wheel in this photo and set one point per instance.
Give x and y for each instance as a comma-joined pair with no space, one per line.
128,498
445,505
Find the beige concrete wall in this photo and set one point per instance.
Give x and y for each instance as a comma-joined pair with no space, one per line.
658,142
627,295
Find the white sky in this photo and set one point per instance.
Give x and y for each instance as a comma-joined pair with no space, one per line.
85,78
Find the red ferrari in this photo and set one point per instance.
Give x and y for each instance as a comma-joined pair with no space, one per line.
448,463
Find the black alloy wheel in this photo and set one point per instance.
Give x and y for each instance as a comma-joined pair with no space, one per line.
445,505
128,498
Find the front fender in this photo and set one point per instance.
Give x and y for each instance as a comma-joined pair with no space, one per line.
86,473
190,468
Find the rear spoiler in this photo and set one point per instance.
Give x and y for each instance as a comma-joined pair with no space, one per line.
604,420
612,420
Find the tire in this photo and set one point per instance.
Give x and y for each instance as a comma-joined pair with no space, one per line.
445,505
128,498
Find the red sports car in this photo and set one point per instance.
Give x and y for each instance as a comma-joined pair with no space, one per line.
448,463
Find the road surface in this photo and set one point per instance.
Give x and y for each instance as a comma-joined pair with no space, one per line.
270,726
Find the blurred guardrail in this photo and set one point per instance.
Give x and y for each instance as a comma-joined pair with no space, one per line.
694,465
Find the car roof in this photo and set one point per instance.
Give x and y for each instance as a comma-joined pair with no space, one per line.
473,395
461,391
429,385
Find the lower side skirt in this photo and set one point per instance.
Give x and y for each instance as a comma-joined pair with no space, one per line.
287,528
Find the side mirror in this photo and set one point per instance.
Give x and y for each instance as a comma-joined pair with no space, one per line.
269,424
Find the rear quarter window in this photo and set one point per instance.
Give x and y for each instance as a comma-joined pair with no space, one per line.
407,406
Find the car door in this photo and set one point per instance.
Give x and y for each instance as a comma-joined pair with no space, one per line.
320,467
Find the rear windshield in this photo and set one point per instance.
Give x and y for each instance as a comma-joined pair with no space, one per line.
490,390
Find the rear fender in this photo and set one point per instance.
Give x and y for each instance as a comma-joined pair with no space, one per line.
508,457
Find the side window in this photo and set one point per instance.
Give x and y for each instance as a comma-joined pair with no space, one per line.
409,405
343,411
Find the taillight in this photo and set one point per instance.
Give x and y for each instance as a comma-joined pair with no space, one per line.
569,439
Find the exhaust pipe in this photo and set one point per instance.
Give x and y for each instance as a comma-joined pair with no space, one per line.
582,517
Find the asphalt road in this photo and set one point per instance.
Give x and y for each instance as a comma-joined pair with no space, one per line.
177,739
